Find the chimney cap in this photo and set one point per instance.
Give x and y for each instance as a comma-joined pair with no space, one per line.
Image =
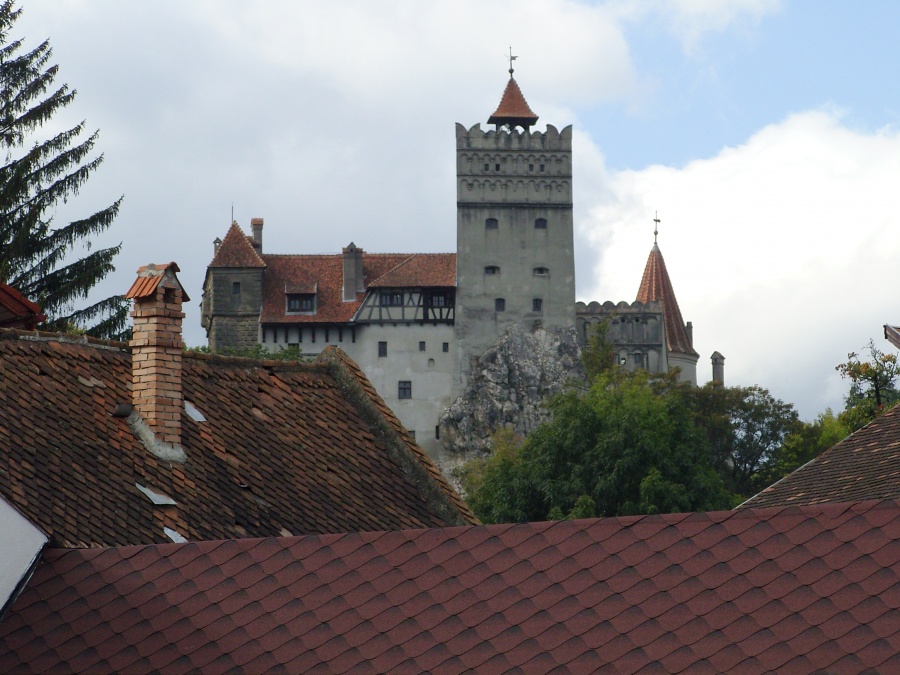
151,276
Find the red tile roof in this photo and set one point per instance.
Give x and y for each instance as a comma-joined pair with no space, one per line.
810,589
865,465
421,270
17,311
148,278
236,250
513,108
656,285
325,273
285,448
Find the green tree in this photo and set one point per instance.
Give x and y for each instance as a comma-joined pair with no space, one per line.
626,446
598,356
808,442
36,256
745,429
872,386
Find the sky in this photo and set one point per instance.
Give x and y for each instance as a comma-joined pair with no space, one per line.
765,134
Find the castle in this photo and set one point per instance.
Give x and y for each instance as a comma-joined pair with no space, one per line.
415,323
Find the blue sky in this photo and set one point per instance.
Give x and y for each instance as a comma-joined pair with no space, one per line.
765,134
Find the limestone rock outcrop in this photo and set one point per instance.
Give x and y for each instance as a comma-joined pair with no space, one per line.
509,387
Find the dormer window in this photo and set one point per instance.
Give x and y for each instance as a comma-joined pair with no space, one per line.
491,270
301,303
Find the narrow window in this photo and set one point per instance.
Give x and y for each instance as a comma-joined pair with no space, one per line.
404,389
446,347
537,305
487,167
437,432
500,305
235,287
542,167
382,349
412,435
541,271
531,167
540,224
421,346
496,167
491,224
491,270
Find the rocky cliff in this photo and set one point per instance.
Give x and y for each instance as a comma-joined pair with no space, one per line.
509,388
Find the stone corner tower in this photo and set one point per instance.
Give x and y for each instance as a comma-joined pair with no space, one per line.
514,233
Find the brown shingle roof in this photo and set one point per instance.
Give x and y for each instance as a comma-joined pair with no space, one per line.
865,465
811,589
513,109
17,311
236,251
656,285
325,273
285,448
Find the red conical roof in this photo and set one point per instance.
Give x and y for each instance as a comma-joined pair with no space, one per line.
656,285
513,109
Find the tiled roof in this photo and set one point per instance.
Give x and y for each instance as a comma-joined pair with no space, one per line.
794,590
865,465
656,285
285,448
423,270
326,274
513,108
17,311
149,277
236,251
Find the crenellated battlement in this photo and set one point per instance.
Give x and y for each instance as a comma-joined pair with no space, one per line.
551,140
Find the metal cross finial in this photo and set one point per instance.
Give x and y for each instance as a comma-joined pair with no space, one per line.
511,59
656,222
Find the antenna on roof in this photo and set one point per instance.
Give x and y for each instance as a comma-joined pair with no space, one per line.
511,59
656,222
232,212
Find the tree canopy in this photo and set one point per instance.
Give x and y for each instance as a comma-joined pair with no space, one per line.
872,386
626,446
39,172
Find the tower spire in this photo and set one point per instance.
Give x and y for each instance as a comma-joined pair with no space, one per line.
656,222
513,110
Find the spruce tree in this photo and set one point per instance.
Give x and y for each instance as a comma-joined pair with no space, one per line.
38,257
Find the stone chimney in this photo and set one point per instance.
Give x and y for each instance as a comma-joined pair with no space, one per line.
353,272
718,368
256,225
156,350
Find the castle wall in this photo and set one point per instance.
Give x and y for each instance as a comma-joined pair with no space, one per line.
429,371
515,257
636,329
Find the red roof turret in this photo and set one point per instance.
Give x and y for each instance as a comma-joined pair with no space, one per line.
513,109
655,285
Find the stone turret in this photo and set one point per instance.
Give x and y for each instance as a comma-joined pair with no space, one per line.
657,287
718,367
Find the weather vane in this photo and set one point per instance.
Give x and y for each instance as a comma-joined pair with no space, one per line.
656,222
511,59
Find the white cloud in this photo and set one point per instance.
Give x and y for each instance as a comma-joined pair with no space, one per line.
779,249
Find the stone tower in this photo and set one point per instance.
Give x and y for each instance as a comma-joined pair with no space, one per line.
657,287
514,241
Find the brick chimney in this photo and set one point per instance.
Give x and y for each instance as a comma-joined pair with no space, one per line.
156,350
354,281
718,368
